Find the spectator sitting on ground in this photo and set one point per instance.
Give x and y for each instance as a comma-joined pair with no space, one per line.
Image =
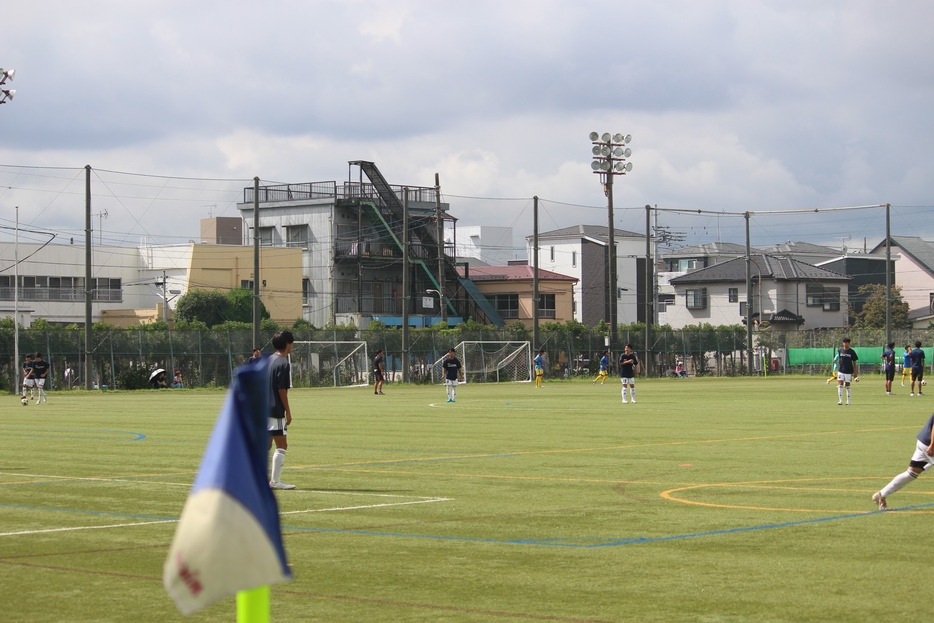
158,381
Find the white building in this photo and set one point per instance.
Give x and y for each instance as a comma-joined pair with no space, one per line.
491,245
785,292
581,252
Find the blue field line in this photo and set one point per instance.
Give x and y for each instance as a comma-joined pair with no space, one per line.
74,511
76,433
596,543
561,543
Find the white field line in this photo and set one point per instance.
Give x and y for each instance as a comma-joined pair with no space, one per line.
73,529
408,501
135,481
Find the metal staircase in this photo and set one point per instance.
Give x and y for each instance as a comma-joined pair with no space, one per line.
391,211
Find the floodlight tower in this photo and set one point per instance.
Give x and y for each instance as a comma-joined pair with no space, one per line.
609,159
6,95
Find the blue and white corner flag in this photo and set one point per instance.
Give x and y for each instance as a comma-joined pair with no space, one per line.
228,537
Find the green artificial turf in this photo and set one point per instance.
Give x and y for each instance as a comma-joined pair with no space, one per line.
709,500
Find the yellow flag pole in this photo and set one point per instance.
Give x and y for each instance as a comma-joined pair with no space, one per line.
253,605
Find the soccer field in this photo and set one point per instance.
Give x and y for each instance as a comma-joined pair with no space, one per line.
709,500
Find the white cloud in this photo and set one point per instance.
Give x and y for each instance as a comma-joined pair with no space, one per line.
733,106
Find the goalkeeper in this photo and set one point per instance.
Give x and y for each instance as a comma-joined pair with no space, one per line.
604,368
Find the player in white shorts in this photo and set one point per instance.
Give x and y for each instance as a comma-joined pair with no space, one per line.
28,380
628,369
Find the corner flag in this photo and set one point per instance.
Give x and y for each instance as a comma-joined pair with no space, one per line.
228,537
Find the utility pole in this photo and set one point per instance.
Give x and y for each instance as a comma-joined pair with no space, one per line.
256,314
88,292
439,218
405,285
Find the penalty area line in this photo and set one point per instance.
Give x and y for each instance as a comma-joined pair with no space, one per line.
367,506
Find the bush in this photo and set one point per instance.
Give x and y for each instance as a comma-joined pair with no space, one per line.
133,378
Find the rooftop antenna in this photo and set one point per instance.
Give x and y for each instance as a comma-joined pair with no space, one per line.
101,217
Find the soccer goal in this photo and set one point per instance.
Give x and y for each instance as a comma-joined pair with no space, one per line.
490,362
330,364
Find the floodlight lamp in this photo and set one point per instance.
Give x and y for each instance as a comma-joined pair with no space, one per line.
595,165
605,165
7,95
7,74
596,150
626,139
606,137
627,152
628,167
594,136
618,152
617,138
619,167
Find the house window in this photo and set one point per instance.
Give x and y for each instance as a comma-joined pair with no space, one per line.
696,299
296,236
686,265
664,300
574,259
307,291
552,253
266,236
104,289
826,298
507,305
546,306
734,295
831,299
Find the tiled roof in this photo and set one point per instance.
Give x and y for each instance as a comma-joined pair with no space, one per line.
921,251
599,232
513,273
774,267
710,249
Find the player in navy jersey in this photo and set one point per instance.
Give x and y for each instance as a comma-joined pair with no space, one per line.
40,373
28,381
280,412
848,372
917,368
888,366
379,372
921,460
452,374
628,369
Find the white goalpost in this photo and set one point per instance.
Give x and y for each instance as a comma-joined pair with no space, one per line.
490,362
330,364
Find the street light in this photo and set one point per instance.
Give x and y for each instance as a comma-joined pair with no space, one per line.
440,301
609,159
6,94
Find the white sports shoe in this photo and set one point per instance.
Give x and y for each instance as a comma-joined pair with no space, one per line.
880,501
280,485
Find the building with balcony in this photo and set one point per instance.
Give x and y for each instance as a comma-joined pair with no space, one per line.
352,236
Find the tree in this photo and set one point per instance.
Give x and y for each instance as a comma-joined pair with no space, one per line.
872,315
208,306
241,306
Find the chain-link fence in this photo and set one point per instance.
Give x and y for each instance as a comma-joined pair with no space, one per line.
123,358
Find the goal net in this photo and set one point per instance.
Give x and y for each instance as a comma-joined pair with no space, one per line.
490,362
330,364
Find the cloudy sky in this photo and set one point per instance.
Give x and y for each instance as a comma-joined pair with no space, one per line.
733,106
